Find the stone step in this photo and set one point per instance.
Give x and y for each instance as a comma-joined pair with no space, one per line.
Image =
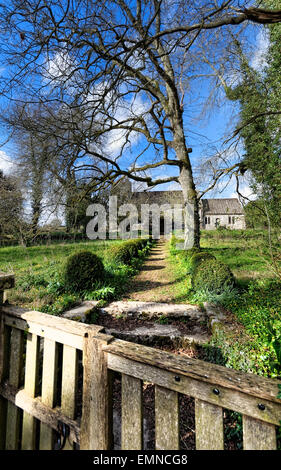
150,310
81,312
160,335
152,332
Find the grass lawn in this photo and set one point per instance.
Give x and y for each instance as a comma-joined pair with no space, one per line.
254,304
37,271
244,251
253,343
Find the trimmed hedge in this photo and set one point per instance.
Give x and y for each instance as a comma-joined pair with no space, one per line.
125,252
198,258
213,276
82,270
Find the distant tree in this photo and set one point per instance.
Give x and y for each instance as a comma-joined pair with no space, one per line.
259,128
79,198
11,209
31,158
255,215
127,67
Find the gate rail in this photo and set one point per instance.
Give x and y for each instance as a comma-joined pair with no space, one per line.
40,356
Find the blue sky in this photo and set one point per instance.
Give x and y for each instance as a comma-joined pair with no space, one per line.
201,133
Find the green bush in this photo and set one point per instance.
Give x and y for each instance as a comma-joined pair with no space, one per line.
120,254
198,258
82,271
133,246
212,276
125,252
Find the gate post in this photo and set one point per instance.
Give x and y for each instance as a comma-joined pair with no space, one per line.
7,281
96,423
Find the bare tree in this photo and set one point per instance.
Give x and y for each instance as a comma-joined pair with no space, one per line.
125,68
11,208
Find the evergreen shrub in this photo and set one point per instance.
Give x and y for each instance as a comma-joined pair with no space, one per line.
82,271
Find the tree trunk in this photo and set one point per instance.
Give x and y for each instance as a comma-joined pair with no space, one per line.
36,212
192,221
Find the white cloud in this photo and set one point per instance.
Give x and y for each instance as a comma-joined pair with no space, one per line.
258,60
60,66
125,112
246,192
6,164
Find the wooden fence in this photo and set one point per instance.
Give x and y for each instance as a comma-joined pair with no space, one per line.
56,379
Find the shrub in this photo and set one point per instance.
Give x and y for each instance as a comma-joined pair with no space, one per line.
120,254
133,246
198,258
212,276
125,252
82,270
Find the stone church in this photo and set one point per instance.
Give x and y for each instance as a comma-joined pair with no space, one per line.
214,213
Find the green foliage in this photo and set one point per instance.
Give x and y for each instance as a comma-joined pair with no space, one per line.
259,96
234,429
203,295
60,304
255,215
40,273
102,293
128,250
198,258
30,280
162,320
258,309
213,276
185,254
82,271
255,347
239,351
120,254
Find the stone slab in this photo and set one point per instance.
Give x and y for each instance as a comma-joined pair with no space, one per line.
153,310
7,281
215,317
80,312
159,333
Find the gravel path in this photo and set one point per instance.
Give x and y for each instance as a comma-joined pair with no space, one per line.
155,282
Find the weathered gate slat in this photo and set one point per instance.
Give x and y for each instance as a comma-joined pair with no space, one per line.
13,413
132,425
4,368
258,435
96,432
30,384
166,419
229,399
69,384
216,375
208,426
212,386
49,375
38,410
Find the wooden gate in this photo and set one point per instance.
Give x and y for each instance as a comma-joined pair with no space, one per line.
56,389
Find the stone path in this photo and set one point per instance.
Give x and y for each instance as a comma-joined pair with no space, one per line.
147,312
155,282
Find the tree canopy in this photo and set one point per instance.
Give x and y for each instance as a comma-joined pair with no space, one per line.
114,75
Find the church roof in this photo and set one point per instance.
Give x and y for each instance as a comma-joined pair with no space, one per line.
210,206
222,206
157,197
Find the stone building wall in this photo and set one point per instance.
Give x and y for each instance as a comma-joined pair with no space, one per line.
226,212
